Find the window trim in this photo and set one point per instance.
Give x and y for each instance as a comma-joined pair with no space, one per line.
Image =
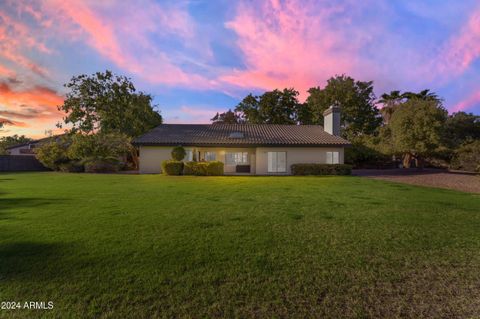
234,157
330,158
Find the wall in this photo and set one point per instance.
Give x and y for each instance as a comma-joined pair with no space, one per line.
295,155
22,150
220,155
151,157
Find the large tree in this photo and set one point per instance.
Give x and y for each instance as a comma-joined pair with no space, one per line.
416,129
461,127
392,101
360,116
8,141
108,103
273,107
228,117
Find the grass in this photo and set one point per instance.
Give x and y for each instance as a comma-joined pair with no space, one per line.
146,246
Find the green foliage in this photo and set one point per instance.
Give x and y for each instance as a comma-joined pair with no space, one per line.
228,117
172,167
178,153
416,127
108,103
467,157
461,127
321,169
273,107
53,152
7,141
359,116
100,150
213,168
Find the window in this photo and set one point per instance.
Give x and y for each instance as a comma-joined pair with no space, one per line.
210,156
236,158
332,158
188,155
277,162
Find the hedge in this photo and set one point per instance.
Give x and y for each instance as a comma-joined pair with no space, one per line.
203,168
172,167
321,169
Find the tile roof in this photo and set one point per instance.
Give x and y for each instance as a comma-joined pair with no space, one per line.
253,135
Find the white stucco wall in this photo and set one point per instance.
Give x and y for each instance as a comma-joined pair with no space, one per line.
151,158
295,155
16,151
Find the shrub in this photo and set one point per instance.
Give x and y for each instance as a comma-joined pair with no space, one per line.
321,169
213,168
467,157
72,167
53,153
172,167
178,153
101,167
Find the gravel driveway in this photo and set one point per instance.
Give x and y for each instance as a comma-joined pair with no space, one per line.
427,177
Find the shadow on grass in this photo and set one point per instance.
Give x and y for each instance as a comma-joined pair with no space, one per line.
9,207
33,261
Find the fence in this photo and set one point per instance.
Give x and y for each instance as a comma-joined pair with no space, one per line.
16,163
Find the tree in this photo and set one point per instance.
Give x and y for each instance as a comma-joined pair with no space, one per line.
101,149
416,129
178,153
228,117
273,107
108,103
467,157
53,152
461,127
393,100
360,116
8,141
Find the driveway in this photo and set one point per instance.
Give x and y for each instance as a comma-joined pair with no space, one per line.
427,177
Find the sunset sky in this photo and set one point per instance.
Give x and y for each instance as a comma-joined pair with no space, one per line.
198,57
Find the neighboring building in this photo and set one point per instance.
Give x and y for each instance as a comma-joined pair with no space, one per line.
28,149
260,149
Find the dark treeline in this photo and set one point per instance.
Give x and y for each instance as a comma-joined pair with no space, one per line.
412,126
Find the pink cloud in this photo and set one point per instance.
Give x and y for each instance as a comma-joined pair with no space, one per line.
29,107
461,50
468,103
121,33
14,38
289,44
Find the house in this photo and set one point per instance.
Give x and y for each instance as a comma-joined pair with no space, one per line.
257,149
28,149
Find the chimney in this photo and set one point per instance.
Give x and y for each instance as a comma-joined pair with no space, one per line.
331,120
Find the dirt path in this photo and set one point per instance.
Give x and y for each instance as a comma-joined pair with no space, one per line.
428,177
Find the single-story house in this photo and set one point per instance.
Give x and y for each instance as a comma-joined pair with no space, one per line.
28,149
257,149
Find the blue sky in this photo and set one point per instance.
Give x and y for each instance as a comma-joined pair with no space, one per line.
202,56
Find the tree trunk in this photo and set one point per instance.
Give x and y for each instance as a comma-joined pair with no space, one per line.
407,159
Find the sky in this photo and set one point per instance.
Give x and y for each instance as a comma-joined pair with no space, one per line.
198,57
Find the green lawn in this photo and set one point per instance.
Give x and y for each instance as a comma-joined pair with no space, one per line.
143,246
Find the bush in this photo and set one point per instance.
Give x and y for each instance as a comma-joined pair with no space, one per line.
53,153
71,167
178,153
172,167
321,169
213,168
101,167
467,157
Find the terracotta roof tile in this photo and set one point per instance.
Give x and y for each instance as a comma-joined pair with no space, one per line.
253,135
